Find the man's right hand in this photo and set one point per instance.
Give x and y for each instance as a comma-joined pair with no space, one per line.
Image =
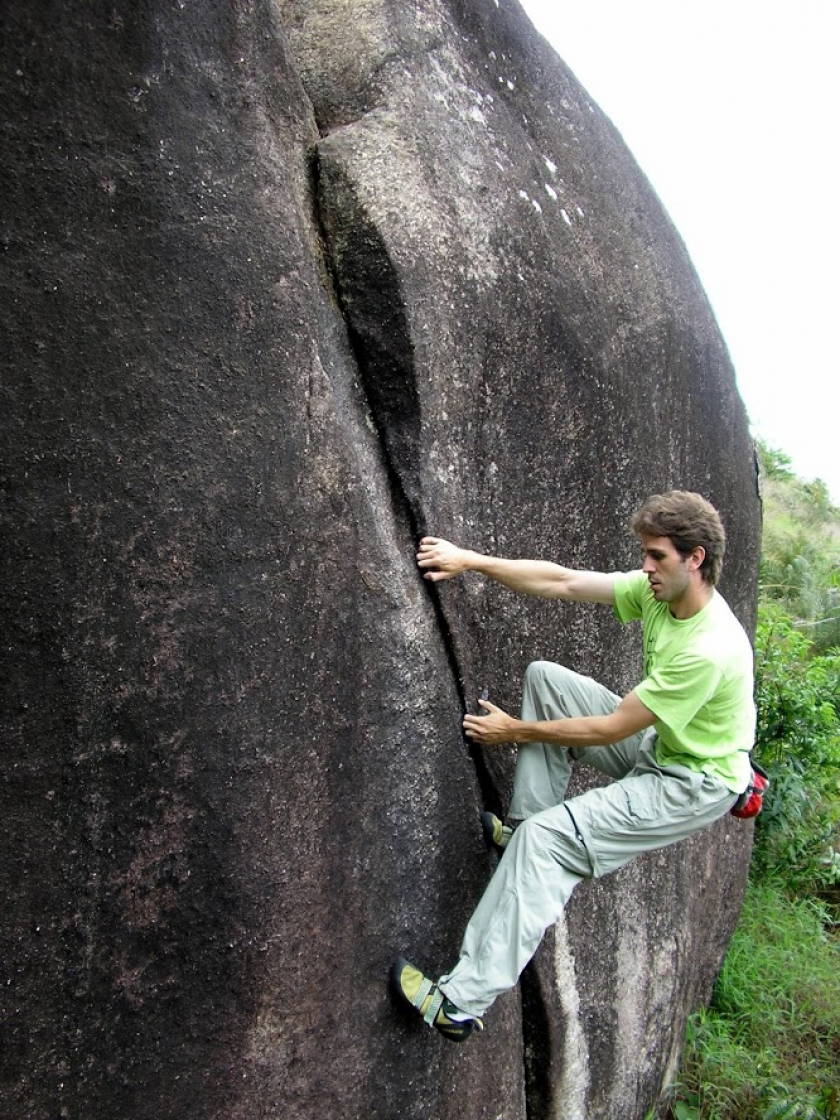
441,559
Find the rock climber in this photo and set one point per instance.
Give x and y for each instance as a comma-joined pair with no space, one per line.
677,746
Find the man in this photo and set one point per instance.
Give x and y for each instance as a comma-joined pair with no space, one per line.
677,745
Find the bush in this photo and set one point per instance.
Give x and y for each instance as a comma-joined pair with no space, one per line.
798,743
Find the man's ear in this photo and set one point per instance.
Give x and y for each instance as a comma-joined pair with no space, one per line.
695,560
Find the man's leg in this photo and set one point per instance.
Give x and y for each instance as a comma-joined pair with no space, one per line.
649,808
542,769
551,852
543,863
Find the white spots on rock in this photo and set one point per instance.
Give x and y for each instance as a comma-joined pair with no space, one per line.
476,110
557,191
557,188
466,113
523,194
555,197
502,78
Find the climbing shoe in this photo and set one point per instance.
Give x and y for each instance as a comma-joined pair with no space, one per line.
431,1004
496,833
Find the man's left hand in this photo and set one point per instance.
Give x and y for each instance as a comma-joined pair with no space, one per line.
494,727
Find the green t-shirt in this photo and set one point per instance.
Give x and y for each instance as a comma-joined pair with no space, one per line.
698,682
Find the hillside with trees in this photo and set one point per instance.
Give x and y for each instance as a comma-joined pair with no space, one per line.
800,550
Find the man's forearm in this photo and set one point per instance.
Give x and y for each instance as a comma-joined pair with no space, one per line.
496,726
529,577
585,731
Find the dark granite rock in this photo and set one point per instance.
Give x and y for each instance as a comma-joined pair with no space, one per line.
285,285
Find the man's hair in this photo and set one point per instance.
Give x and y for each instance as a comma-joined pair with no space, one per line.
690,522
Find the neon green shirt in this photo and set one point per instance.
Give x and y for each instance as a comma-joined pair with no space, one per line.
698,682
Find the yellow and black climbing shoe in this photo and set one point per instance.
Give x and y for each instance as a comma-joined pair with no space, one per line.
431,1004
496,833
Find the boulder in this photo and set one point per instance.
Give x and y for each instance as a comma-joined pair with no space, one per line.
287,285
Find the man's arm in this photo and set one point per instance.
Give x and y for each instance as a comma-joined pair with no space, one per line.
440,559
497,726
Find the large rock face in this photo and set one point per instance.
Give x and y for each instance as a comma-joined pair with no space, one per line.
284,285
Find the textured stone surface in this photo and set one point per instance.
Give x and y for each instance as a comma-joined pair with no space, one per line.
284,285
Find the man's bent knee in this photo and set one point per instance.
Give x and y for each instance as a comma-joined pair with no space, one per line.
541,670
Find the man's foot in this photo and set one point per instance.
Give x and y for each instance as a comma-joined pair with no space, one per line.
496,832
431,1004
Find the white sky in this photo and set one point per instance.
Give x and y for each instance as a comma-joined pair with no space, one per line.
732,109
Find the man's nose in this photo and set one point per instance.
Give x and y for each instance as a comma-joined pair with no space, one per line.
648,566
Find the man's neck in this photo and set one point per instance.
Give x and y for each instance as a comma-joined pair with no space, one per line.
695,599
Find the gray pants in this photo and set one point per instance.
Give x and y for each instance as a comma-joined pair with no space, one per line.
559,843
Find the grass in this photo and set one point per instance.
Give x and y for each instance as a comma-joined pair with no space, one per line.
768,1048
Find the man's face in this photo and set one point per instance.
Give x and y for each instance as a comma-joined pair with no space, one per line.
668,572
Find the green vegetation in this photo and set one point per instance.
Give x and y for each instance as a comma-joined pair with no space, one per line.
800,550
769,1044
768,1048
798,743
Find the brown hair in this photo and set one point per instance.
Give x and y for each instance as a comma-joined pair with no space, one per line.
690,522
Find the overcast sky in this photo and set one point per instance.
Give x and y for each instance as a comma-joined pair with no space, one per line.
732,109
